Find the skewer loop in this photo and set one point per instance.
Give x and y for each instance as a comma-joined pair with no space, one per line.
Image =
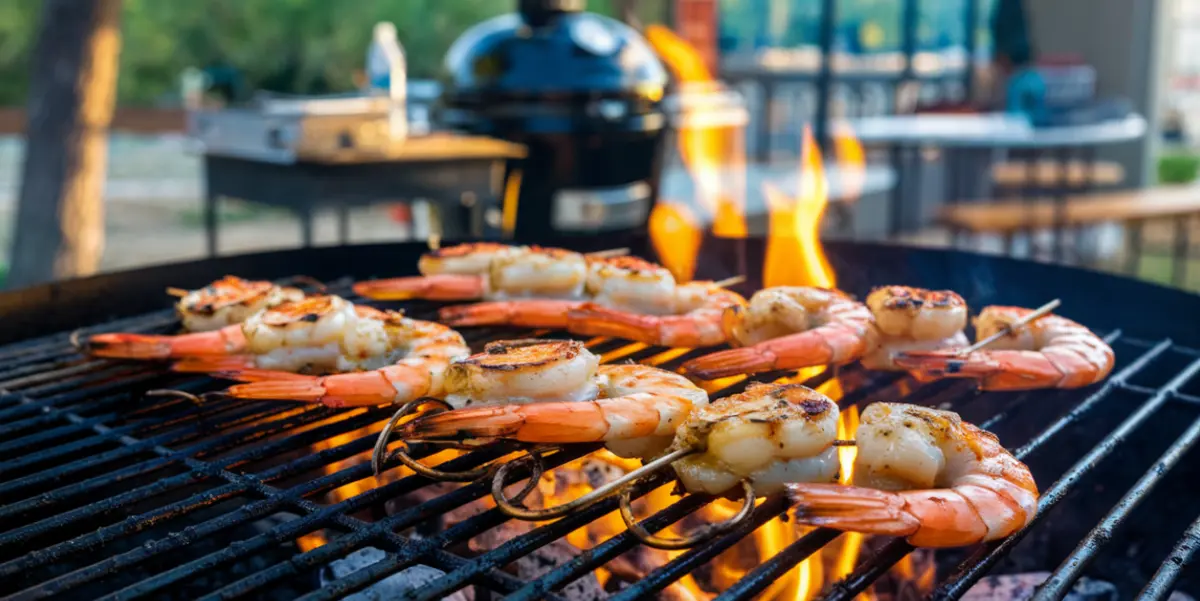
702,535
379,455
512,508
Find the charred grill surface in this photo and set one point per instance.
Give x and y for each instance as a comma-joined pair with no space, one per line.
108,492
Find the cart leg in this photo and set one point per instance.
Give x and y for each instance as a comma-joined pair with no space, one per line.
210,223
305,214
343,224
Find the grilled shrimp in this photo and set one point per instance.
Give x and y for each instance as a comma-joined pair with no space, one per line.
912,319
788,327
926,475
626,297
218,307
320,334
769,435
487,270
1049,352
633,408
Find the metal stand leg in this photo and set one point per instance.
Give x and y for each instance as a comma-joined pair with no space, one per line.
210,223
896,210
1060,206
305,213
1179,262
343,225
1133,247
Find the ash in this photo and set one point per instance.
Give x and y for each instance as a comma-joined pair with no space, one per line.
391,587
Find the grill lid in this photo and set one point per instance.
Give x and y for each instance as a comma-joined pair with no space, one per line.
550,60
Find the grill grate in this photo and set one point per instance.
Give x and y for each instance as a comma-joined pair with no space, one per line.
95,478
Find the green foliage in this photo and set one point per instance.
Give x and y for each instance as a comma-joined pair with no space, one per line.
293,46
1181,168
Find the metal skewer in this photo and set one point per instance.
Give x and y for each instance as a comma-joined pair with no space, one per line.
379,455
1008,329
606,254
730,281
704,534
510,505
177,292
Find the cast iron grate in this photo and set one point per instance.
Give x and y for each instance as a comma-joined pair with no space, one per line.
95,480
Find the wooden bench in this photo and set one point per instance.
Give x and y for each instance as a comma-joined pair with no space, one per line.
1130,207
1050,173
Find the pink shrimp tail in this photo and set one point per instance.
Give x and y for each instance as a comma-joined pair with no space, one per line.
145,346
530,313
441,287
129,346
663,330
392,384
852,508
821,346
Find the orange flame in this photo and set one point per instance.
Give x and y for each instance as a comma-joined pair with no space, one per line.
705,152
794,254
852,160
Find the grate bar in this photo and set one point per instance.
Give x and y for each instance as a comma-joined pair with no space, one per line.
606,551
1172,567
132,448
1059,583
523,545
339,547
243,514
160,486
413,551
974,567
772,569
695,557
66,393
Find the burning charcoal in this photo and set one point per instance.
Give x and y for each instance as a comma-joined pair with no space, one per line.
1015,587
541,561
391,587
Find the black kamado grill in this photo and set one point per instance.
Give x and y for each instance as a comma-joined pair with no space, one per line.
106,492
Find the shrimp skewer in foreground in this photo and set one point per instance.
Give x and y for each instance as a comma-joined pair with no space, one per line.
486,270
788,327
625,297
633,408
213,314
767,436
926,475
1048,352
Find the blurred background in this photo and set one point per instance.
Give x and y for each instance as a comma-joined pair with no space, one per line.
137,132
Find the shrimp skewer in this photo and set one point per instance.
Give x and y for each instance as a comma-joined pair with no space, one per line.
626,297
926,475
788,328
634,408
907,319
486,270
213,314
1048,352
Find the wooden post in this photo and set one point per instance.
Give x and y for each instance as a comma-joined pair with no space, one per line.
60,211
696,22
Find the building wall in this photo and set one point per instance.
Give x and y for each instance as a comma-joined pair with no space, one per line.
1121,39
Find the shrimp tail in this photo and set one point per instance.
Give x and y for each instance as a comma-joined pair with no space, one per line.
820,346
520,313
129,346
661,330
994,370
146,346
852,508
211,365
441,287
393,384
555,422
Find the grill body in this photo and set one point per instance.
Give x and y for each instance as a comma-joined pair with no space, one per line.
106,492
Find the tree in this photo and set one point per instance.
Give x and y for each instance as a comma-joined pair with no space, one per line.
72,90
